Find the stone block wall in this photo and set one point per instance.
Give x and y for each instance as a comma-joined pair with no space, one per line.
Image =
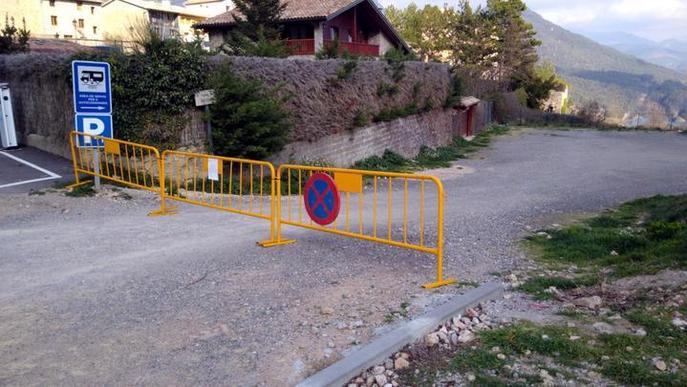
404,136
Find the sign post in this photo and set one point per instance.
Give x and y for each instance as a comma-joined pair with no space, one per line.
206,98
92,106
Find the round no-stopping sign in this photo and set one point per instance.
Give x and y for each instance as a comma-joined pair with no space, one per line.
321,199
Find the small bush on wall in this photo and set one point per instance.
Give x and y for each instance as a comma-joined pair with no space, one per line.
248,119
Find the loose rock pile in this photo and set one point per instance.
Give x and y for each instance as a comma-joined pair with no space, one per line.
456,331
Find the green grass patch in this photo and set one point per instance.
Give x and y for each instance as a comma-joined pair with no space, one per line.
640,237
538,286
84,190
429,158
550,341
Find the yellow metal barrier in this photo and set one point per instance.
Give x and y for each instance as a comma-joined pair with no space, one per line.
119,161
375,206
230,184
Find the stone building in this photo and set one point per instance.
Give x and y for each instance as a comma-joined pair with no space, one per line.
62,19
121,18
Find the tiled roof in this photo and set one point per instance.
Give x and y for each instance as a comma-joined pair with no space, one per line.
295,10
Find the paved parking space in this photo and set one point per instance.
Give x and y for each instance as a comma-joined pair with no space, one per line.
26,169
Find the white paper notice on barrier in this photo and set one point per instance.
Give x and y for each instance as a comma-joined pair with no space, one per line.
213,169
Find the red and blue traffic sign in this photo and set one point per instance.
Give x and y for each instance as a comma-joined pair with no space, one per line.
321,199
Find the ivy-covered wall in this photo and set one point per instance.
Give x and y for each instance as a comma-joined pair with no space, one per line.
326,97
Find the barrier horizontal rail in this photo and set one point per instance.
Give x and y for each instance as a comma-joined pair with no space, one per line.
119,161
235,185
383,207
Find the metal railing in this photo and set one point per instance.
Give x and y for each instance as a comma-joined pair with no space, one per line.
235,185
383,207
123,162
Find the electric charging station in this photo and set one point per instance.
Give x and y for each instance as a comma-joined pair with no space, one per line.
8,134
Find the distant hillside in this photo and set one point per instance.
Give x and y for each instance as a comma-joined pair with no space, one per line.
671,53
633,90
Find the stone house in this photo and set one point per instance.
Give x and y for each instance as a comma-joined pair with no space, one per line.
359,26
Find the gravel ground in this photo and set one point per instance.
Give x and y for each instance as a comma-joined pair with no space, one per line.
94,292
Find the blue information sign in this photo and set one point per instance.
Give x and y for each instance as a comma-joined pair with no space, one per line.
93,125
92,88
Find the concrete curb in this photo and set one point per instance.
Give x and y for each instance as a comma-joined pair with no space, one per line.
339,373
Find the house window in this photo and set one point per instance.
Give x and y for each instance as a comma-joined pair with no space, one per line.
95,30
53,20
52,3
80,23
79,5
92,10
334,32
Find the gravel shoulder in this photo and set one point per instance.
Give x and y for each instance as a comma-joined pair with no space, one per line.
92,291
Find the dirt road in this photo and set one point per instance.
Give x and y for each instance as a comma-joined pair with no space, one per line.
94,292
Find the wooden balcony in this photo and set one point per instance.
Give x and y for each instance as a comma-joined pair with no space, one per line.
307,47
301,46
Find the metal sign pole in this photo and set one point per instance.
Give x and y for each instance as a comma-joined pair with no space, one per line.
96,161
209,128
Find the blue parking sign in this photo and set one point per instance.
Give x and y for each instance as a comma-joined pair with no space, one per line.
92,87
94,125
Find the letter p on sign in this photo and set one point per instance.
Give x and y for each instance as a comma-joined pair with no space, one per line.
93,125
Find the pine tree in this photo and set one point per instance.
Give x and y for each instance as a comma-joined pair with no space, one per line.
256,30
473,45
516,46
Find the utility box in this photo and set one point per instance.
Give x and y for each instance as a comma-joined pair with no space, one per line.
8,135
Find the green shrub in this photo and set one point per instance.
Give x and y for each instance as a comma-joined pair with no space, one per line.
396,112
248,118
389,89
328,51
13,39
361,118
345,71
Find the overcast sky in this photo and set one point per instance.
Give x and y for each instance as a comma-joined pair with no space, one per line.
651,19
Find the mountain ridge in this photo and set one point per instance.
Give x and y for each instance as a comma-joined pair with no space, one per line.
633,90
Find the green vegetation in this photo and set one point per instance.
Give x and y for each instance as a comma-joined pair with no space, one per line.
84,190
622,358
388,89
13,39
538,286
256,30
642,236
346,70
428,158
248,118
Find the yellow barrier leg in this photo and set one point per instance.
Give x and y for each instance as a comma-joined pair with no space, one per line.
78,183
440,246
164,209
275,222
441,281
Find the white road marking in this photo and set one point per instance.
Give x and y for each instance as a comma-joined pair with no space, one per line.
51,175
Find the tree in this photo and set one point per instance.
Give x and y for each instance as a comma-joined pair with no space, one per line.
248,119
537,83
426,30
473,44
515,53
256,30
13,39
